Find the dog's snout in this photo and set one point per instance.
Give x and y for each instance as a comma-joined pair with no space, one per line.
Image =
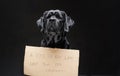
52,18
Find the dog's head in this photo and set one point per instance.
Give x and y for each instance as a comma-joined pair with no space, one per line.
55,21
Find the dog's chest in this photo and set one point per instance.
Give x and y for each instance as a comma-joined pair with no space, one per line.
59,44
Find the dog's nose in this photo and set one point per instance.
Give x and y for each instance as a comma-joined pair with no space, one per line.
52,20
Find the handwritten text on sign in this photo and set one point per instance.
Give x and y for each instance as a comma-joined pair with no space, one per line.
41,61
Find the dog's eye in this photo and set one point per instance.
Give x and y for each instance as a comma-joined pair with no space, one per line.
57,15
49,16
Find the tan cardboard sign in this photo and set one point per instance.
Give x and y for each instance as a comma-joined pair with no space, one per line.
41,61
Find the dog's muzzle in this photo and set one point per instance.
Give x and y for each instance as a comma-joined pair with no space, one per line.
52,25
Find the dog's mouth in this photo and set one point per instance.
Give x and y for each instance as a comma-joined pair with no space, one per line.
52,27
53,31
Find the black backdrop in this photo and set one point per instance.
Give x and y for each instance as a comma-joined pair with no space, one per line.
91,33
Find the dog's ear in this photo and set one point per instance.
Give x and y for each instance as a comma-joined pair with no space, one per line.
45,13
68,23
40,23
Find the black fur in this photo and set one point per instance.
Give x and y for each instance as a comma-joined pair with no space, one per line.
55,25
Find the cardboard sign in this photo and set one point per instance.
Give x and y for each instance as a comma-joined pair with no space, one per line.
41,61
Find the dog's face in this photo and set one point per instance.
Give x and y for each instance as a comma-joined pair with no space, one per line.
54,22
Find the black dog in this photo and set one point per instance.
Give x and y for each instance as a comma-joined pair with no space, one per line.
54,25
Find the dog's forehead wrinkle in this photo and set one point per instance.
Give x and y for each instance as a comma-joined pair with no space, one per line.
54,11
51,11
57,10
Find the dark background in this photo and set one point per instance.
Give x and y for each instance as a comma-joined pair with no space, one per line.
91,34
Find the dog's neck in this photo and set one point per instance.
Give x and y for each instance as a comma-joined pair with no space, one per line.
55,41
54,38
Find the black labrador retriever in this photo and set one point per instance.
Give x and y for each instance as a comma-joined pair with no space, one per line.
54,25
